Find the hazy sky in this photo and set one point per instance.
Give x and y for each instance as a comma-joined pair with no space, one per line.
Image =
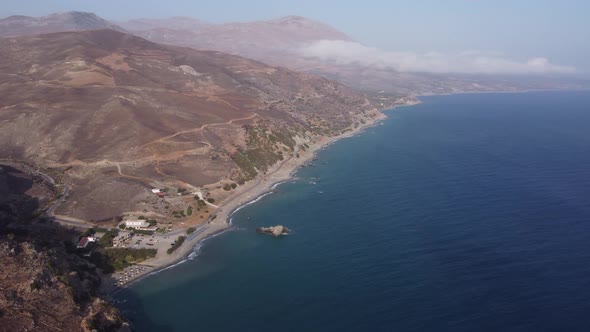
558,30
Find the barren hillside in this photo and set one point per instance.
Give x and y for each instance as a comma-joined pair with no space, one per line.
285,41
115,114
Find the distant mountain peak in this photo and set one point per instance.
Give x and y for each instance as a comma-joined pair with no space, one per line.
172,23
72,15
298,21
75,12
16,17
292,18
19,25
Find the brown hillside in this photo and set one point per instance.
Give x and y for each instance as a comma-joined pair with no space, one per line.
117,113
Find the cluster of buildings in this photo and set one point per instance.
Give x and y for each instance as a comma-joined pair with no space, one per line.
87,244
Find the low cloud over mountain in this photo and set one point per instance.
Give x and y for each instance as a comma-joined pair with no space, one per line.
348,52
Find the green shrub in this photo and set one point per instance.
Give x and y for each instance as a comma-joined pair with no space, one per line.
176,244
90,231
178,214
114,259
144,232
35,285
107,239
190,230
64,280
245,165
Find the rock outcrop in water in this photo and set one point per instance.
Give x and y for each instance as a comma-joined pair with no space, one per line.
275,231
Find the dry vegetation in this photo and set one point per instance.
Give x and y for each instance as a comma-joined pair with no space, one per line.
44,286
118,115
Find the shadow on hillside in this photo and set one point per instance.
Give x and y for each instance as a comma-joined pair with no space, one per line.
16,206
21,221
133,310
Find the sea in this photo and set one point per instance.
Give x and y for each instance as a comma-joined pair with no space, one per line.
464,213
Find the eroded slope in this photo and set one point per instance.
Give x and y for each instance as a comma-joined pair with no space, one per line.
116,113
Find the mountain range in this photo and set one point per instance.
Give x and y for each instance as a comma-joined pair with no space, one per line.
285,42
114,110
19,25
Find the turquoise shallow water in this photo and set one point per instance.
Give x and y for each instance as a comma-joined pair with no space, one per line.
464,213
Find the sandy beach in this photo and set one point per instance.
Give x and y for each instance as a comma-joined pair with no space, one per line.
221,220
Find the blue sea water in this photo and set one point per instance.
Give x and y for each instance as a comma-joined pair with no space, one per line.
465,213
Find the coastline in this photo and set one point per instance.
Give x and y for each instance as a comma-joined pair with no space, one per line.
495,92
378,166
249,193
253,191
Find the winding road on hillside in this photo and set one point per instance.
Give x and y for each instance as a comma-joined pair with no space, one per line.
170,156
194,130
50,211
106,163
65,220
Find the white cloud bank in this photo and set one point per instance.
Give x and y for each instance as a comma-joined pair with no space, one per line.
472,62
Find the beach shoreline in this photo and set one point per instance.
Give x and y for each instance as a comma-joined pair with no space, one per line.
247,194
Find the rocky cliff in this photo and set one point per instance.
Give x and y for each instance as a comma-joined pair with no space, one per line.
43,285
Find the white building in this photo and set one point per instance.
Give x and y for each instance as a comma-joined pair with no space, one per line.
137,224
